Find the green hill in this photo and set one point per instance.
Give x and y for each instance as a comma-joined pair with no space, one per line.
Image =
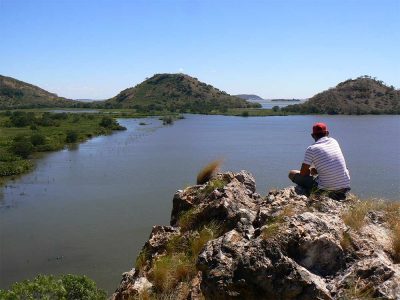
176,93
19,94
363,95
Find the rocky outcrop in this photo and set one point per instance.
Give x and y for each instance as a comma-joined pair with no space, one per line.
227,242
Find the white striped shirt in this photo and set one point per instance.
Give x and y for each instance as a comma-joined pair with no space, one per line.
326,156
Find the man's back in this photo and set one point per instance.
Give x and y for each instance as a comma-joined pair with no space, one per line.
325,154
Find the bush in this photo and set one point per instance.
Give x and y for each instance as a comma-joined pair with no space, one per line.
22,119
38,139
245,114
49,287
22,146
72,136
107,122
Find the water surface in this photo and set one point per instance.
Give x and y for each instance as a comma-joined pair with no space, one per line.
88,210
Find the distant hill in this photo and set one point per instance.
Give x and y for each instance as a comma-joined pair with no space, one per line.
363,95
18,94
249,97
176,93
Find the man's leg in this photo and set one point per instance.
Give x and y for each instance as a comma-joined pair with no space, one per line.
307,182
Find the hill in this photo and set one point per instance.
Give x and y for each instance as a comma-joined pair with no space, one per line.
176,93
363,95
18,94
249,97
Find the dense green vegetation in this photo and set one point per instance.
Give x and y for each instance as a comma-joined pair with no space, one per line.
176,93
364,95
66,287
23,133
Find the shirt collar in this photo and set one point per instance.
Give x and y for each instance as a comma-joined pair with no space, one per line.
322,140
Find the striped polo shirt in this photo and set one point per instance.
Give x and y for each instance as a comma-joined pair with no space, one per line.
327,157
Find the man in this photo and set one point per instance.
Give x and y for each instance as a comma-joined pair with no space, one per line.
324,168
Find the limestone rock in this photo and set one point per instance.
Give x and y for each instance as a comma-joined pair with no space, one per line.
281,246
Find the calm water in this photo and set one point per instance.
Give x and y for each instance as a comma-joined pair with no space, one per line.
88,210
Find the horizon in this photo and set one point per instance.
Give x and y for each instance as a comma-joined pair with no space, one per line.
274,49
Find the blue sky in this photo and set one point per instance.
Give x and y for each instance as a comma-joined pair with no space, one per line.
290,49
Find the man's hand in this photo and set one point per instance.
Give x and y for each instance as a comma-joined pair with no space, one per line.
313,171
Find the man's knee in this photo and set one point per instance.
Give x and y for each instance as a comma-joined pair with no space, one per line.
292,173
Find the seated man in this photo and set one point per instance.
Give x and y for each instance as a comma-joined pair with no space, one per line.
325,159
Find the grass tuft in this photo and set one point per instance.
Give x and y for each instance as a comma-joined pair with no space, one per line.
208,233
275,223
171,269
208,171
187,219
355,291
211,186
346,241
141,260
355,216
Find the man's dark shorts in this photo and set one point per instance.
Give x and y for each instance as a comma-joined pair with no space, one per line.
310,183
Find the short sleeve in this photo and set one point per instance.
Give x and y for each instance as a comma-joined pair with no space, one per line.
308,157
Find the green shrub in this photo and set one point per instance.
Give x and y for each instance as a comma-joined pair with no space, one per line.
72,136
67,287
107,122
38,139
22,146
245,114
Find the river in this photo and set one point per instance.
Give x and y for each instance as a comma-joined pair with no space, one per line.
89,209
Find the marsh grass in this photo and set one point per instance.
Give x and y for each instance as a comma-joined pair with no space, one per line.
208,171
44,132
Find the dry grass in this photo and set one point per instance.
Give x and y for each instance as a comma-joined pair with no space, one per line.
212,185
187,219
171,269
355,291
209,232
141,260
355,216
208,171
346,242
275,223
270,231
396,243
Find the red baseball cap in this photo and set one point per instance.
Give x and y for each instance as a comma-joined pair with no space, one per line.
319,128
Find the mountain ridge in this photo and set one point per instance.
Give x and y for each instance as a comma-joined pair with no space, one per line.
363,95
15,93
176,92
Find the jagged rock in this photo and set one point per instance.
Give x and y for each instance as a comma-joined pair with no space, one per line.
285,245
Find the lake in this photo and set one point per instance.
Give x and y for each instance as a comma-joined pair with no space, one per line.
89,209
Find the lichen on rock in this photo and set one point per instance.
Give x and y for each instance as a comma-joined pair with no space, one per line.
225,241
